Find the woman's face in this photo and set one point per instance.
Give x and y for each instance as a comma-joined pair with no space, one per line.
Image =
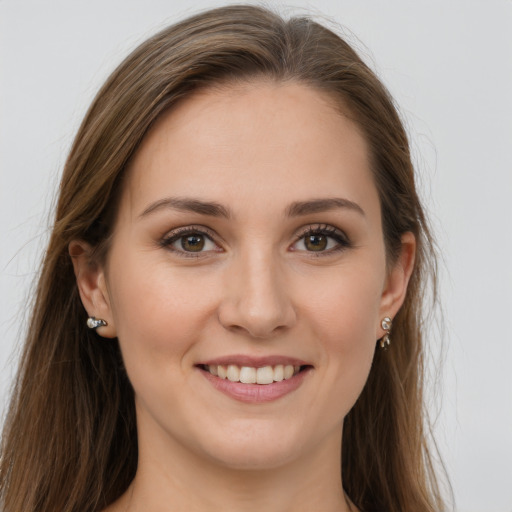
249,236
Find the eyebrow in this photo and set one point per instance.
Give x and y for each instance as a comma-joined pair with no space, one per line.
299,208
188,205
213,209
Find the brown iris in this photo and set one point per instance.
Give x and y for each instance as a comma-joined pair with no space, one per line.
193,243
315,242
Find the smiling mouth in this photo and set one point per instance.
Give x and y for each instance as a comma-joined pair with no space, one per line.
263,375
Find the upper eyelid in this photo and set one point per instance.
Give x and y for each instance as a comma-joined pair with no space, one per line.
321,228
196,228
183,230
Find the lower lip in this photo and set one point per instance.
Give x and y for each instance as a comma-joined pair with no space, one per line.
256,393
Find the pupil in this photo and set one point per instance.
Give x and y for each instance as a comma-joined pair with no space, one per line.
316,242
193,243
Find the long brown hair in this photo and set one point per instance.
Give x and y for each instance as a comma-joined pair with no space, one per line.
70,440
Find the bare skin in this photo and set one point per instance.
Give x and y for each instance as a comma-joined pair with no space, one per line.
249,227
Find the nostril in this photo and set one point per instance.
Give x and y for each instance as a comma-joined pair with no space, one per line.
260,310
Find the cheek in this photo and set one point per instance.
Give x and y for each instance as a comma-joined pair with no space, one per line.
344,317
346,308
157,312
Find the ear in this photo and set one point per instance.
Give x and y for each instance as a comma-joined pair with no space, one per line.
395,287
90,278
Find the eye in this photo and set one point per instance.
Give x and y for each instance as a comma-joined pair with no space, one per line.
321,239
190,241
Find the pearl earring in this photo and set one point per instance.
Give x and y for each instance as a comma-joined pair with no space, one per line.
386,324
94,323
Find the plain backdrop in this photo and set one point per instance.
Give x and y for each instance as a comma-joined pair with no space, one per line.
449,66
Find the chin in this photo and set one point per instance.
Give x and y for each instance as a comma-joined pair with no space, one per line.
254,449
254,460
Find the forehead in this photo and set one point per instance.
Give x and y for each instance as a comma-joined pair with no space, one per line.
261,142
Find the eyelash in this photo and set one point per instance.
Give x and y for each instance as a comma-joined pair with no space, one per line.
178,233
326,230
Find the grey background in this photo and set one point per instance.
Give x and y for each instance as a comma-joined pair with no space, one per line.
449,66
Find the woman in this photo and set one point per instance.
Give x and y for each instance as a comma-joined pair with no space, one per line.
231,297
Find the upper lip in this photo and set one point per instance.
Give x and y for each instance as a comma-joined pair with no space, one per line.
253,361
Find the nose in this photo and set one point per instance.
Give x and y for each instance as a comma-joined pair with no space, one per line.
255,298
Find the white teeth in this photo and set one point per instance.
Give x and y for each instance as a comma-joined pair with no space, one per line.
233,373
250,375
278,373
265,375
288,371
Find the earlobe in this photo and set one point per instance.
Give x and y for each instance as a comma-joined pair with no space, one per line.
90,279
397,281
